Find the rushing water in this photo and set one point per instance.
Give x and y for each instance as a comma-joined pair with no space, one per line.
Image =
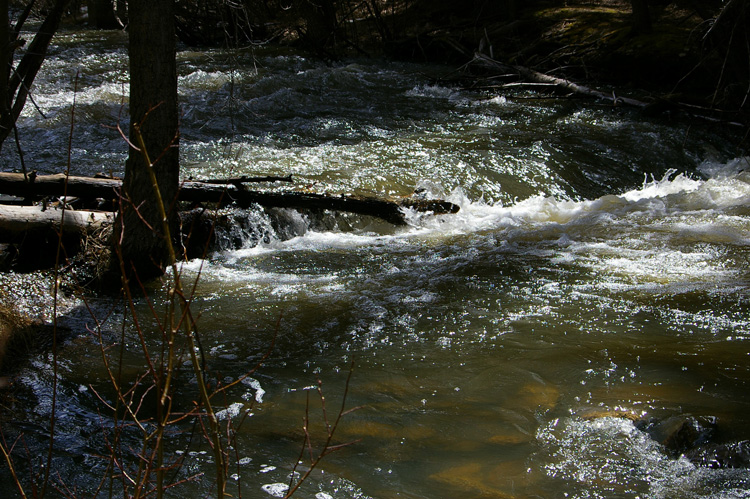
597,268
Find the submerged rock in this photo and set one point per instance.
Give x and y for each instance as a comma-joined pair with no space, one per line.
610,413
482,479
733,455
680,434
692,437
689,436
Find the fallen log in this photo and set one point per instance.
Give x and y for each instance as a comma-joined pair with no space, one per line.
19,222
225,194
55,185
30,235
391,211
654,107
561,84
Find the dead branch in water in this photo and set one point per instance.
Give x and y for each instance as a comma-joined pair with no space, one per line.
529,75
222,193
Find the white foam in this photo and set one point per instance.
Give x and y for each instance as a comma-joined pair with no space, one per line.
108,93
230,412
432,91
613,451
205,80
660,233
669,184
255,385
275,489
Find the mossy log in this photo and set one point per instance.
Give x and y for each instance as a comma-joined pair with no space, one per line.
224,194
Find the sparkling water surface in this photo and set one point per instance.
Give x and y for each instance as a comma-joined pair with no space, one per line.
597,269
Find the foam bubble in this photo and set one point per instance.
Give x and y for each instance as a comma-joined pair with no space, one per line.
275,489
232,411
255,385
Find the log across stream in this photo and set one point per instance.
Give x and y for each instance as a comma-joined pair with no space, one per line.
44,220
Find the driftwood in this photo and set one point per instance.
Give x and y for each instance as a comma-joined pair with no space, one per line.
20,222
654,107
55,185
529,75
224,194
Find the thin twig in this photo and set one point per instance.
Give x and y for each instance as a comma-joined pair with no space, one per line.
8,459
330,430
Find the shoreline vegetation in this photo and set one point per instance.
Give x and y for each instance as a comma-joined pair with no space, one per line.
685,54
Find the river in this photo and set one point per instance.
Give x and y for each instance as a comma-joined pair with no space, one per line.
595,278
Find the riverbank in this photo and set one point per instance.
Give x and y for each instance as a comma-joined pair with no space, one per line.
596,42
593,42
580,40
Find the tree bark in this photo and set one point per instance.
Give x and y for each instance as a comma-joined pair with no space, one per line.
139,230
5,61
320,24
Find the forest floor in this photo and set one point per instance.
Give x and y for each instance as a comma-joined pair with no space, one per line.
585,41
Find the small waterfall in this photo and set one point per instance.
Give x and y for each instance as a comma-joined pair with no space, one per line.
226,229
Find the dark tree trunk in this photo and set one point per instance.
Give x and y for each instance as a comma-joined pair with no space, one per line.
641,16
16,89
5,61
512,9
320,18
153,112
103,14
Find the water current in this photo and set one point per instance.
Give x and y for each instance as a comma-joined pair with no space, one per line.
595,278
